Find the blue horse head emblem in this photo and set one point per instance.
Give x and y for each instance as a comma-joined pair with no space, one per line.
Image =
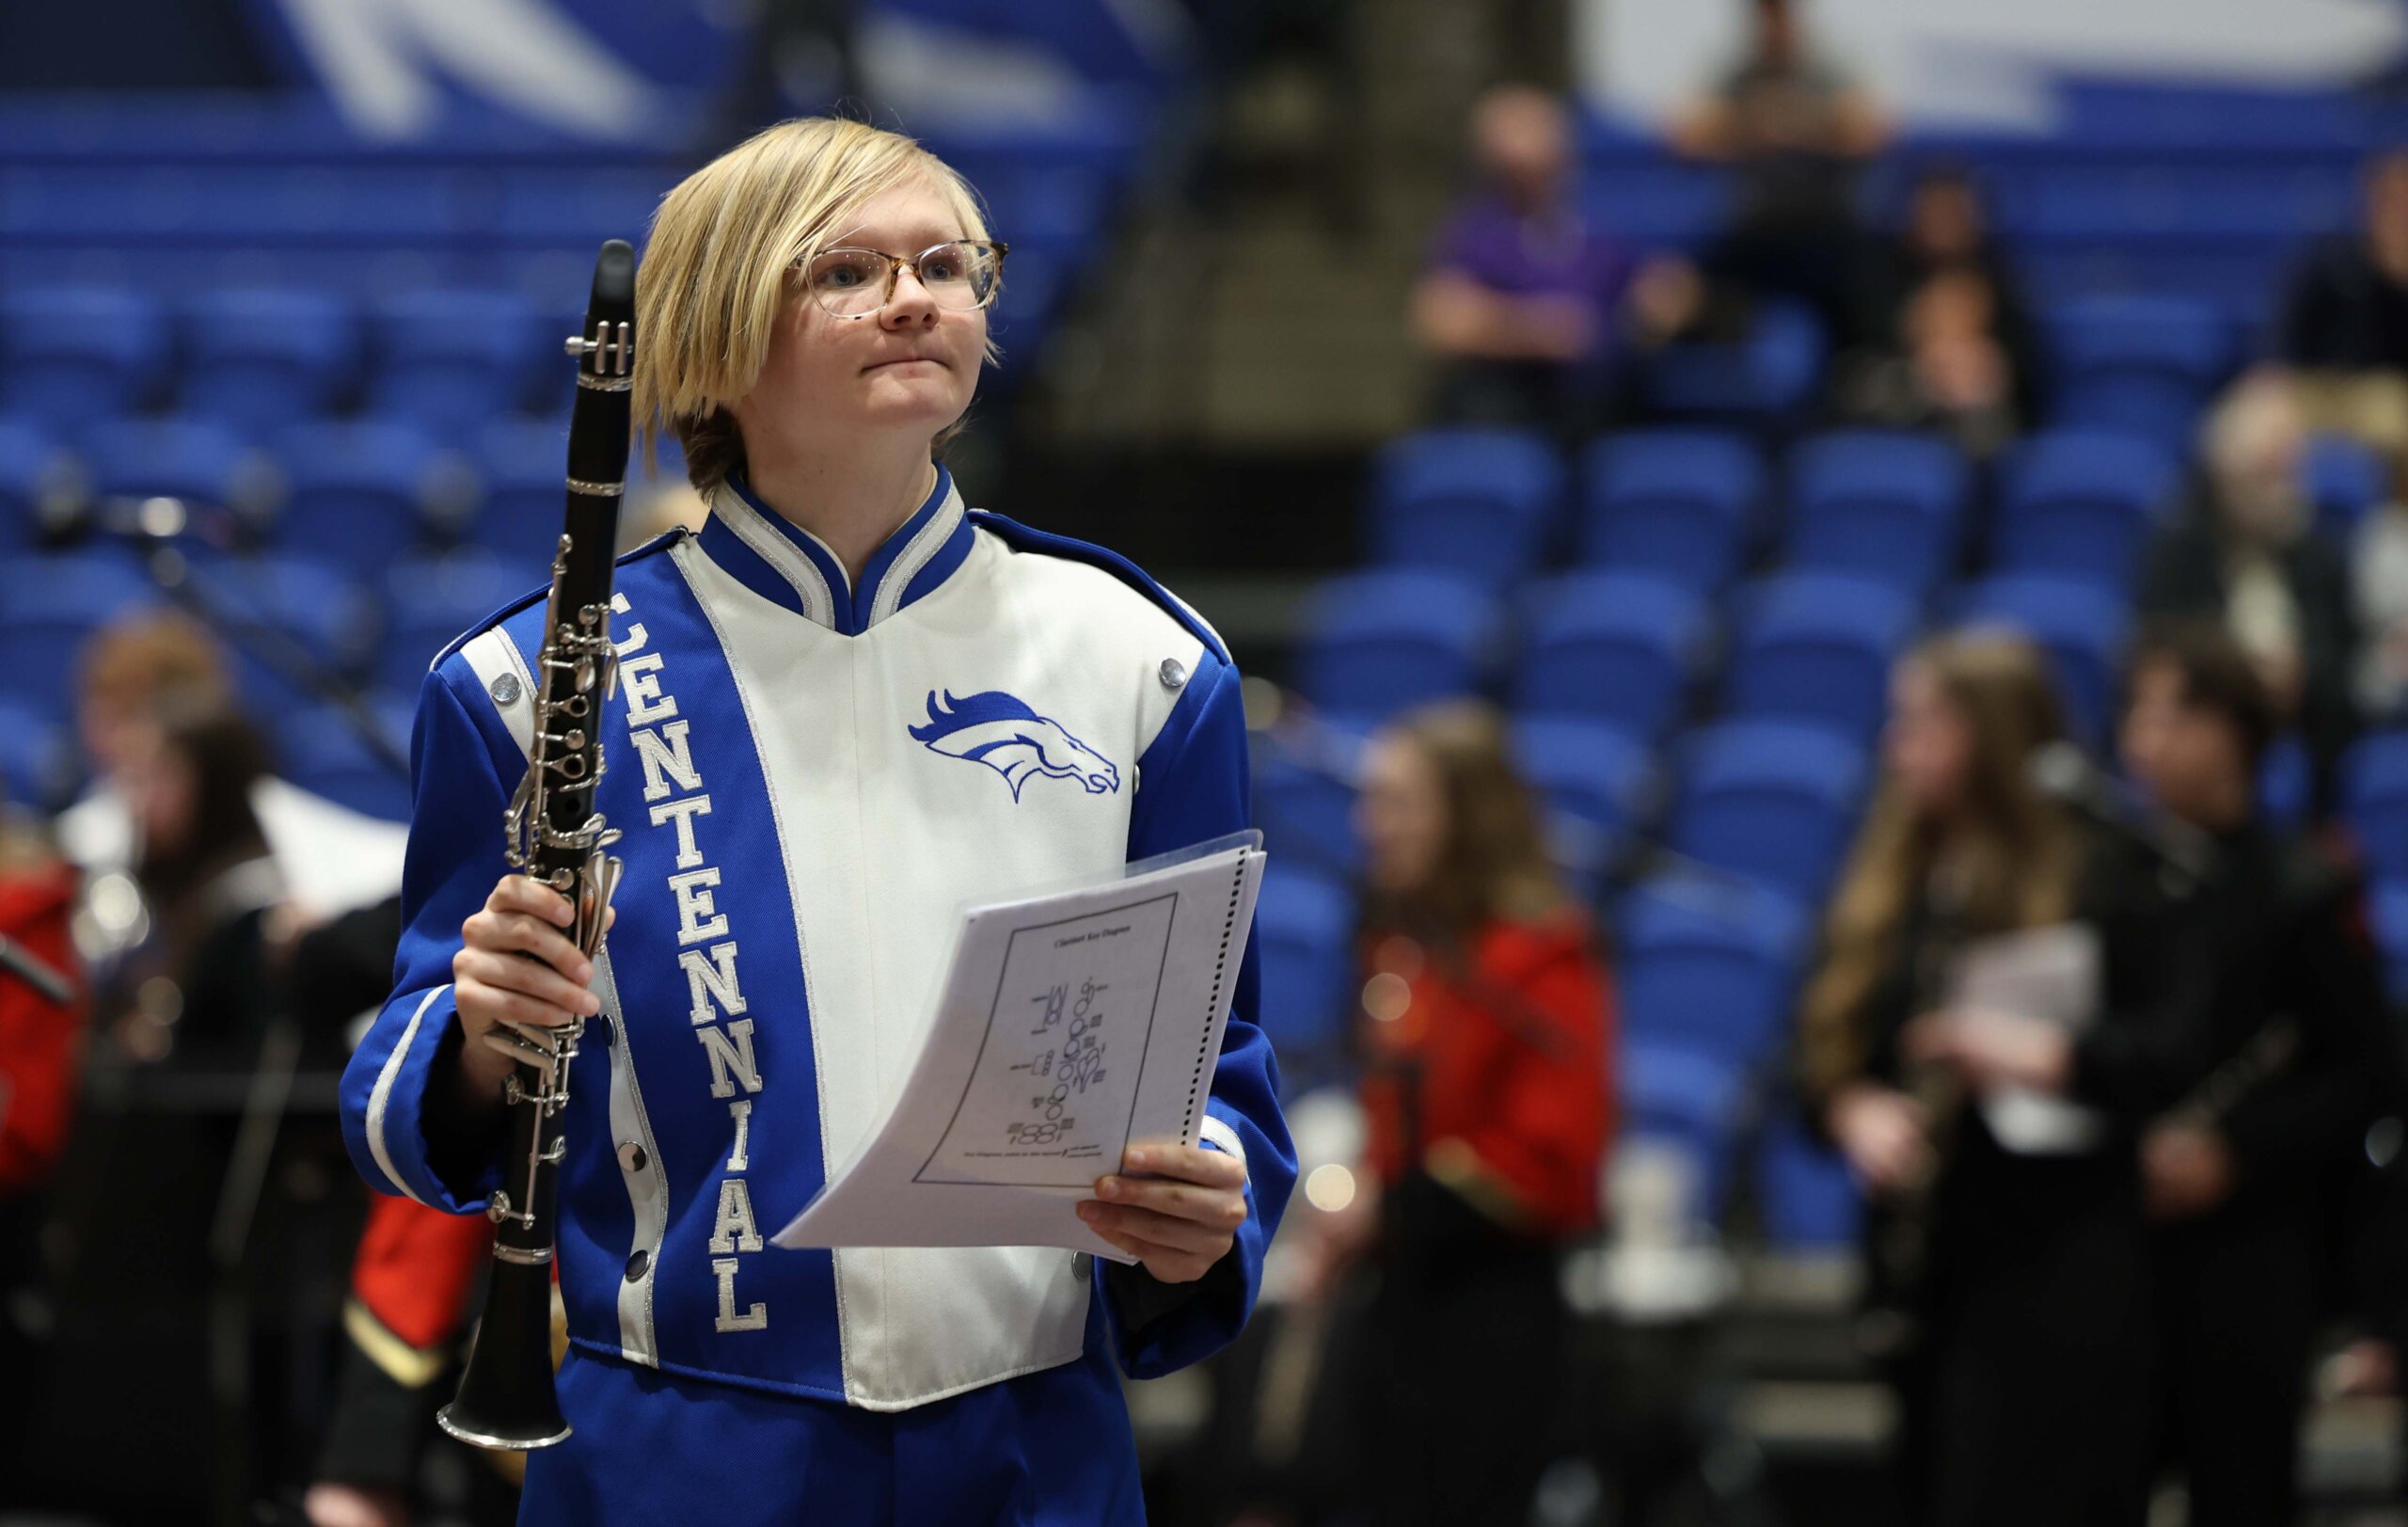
1001,732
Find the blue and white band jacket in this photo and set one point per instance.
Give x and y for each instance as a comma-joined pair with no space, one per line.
812,780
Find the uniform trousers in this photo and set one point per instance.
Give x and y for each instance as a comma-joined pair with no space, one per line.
1048,1449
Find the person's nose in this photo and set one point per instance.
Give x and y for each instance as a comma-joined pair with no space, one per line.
908,306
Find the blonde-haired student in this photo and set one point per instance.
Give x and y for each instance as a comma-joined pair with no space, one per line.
812,319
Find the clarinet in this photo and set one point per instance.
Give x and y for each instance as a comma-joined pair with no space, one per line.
506,1397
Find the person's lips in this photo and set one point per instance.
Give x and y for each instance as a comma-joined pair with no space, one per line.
902,360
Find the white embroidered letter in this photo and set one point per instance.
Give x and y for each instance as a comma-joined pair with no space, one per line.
641,678
735,1229
710,974
741,1111
731,1055
683,811
664,751
698,917
757,1318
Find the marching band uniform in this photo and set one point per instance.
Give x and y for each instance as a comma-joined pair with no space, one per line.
811,779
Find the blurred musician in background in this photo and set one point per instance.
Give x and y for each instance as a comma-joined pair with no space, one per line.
2293,1061
38,1055
2019,1269
1487,1015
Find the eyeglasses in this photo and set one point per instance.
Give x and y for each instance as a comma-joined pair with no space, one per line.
854,283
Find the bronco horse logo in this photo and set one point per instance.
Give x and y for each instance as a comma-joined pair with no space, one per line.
1001,732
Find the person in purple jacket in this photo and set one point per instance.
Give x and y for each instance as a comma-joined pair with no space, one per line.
1528,303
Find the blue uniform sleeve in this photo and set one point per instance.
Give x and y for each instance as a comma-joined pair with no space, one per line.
455,856
1192,787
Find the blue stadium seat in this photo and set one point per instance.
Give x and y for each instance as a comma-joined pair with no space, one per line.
1677,503
2287,783
1305,809
519,468
1772,802
1597,785
2082,627
320,749
1305,927
1767,378
2346,480
430,599
1689,1101
49,606
1709,966
451,358
1614,647
1817,648
320,608
1377,643
72,354
1877,505
2080,503
260,359
34,471
2142,366
207,465
362,493
2389,907
37,759
1474,503
1809,1201
2374,795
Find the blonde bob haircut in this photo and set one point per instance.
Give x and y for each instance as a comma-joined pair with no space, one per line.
724,244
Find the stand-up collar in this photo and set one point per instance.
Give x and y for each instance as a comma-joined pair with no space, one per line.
782,561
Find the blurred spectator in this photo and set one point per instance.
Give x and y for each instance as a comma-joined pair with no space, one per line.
2007,1279
2379,569
800,57
2236,1175
1955,350
1797,129
187,772
1526,303
1488,1015
332,859
2345,324
37,1041
2246,555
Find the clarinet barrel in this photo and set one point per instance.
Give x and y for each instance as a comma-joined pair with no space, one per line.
554,834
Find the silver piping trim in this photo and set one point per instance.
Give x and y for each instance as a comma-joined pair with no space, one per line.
917,555
380,1097
647,1190
819,602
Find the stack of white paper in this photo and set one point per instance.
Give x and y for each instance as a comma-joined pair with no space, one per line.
1069,1026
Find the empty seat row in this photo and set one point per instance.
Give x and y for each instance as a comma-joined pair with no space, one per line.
384,630
1639,653
1690,506
357,493
260,357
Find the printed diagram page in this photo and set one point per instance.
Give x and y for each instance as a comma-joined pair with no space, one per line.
1069,1025
1050,1098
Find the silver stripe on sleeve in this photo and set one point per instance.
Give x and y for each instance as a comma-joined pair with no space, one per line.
1218,1132
647,1185
380,1097
494,656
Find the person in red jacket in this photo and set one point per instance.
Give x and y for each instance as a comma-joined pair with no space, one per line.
39,1038
1486,1015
